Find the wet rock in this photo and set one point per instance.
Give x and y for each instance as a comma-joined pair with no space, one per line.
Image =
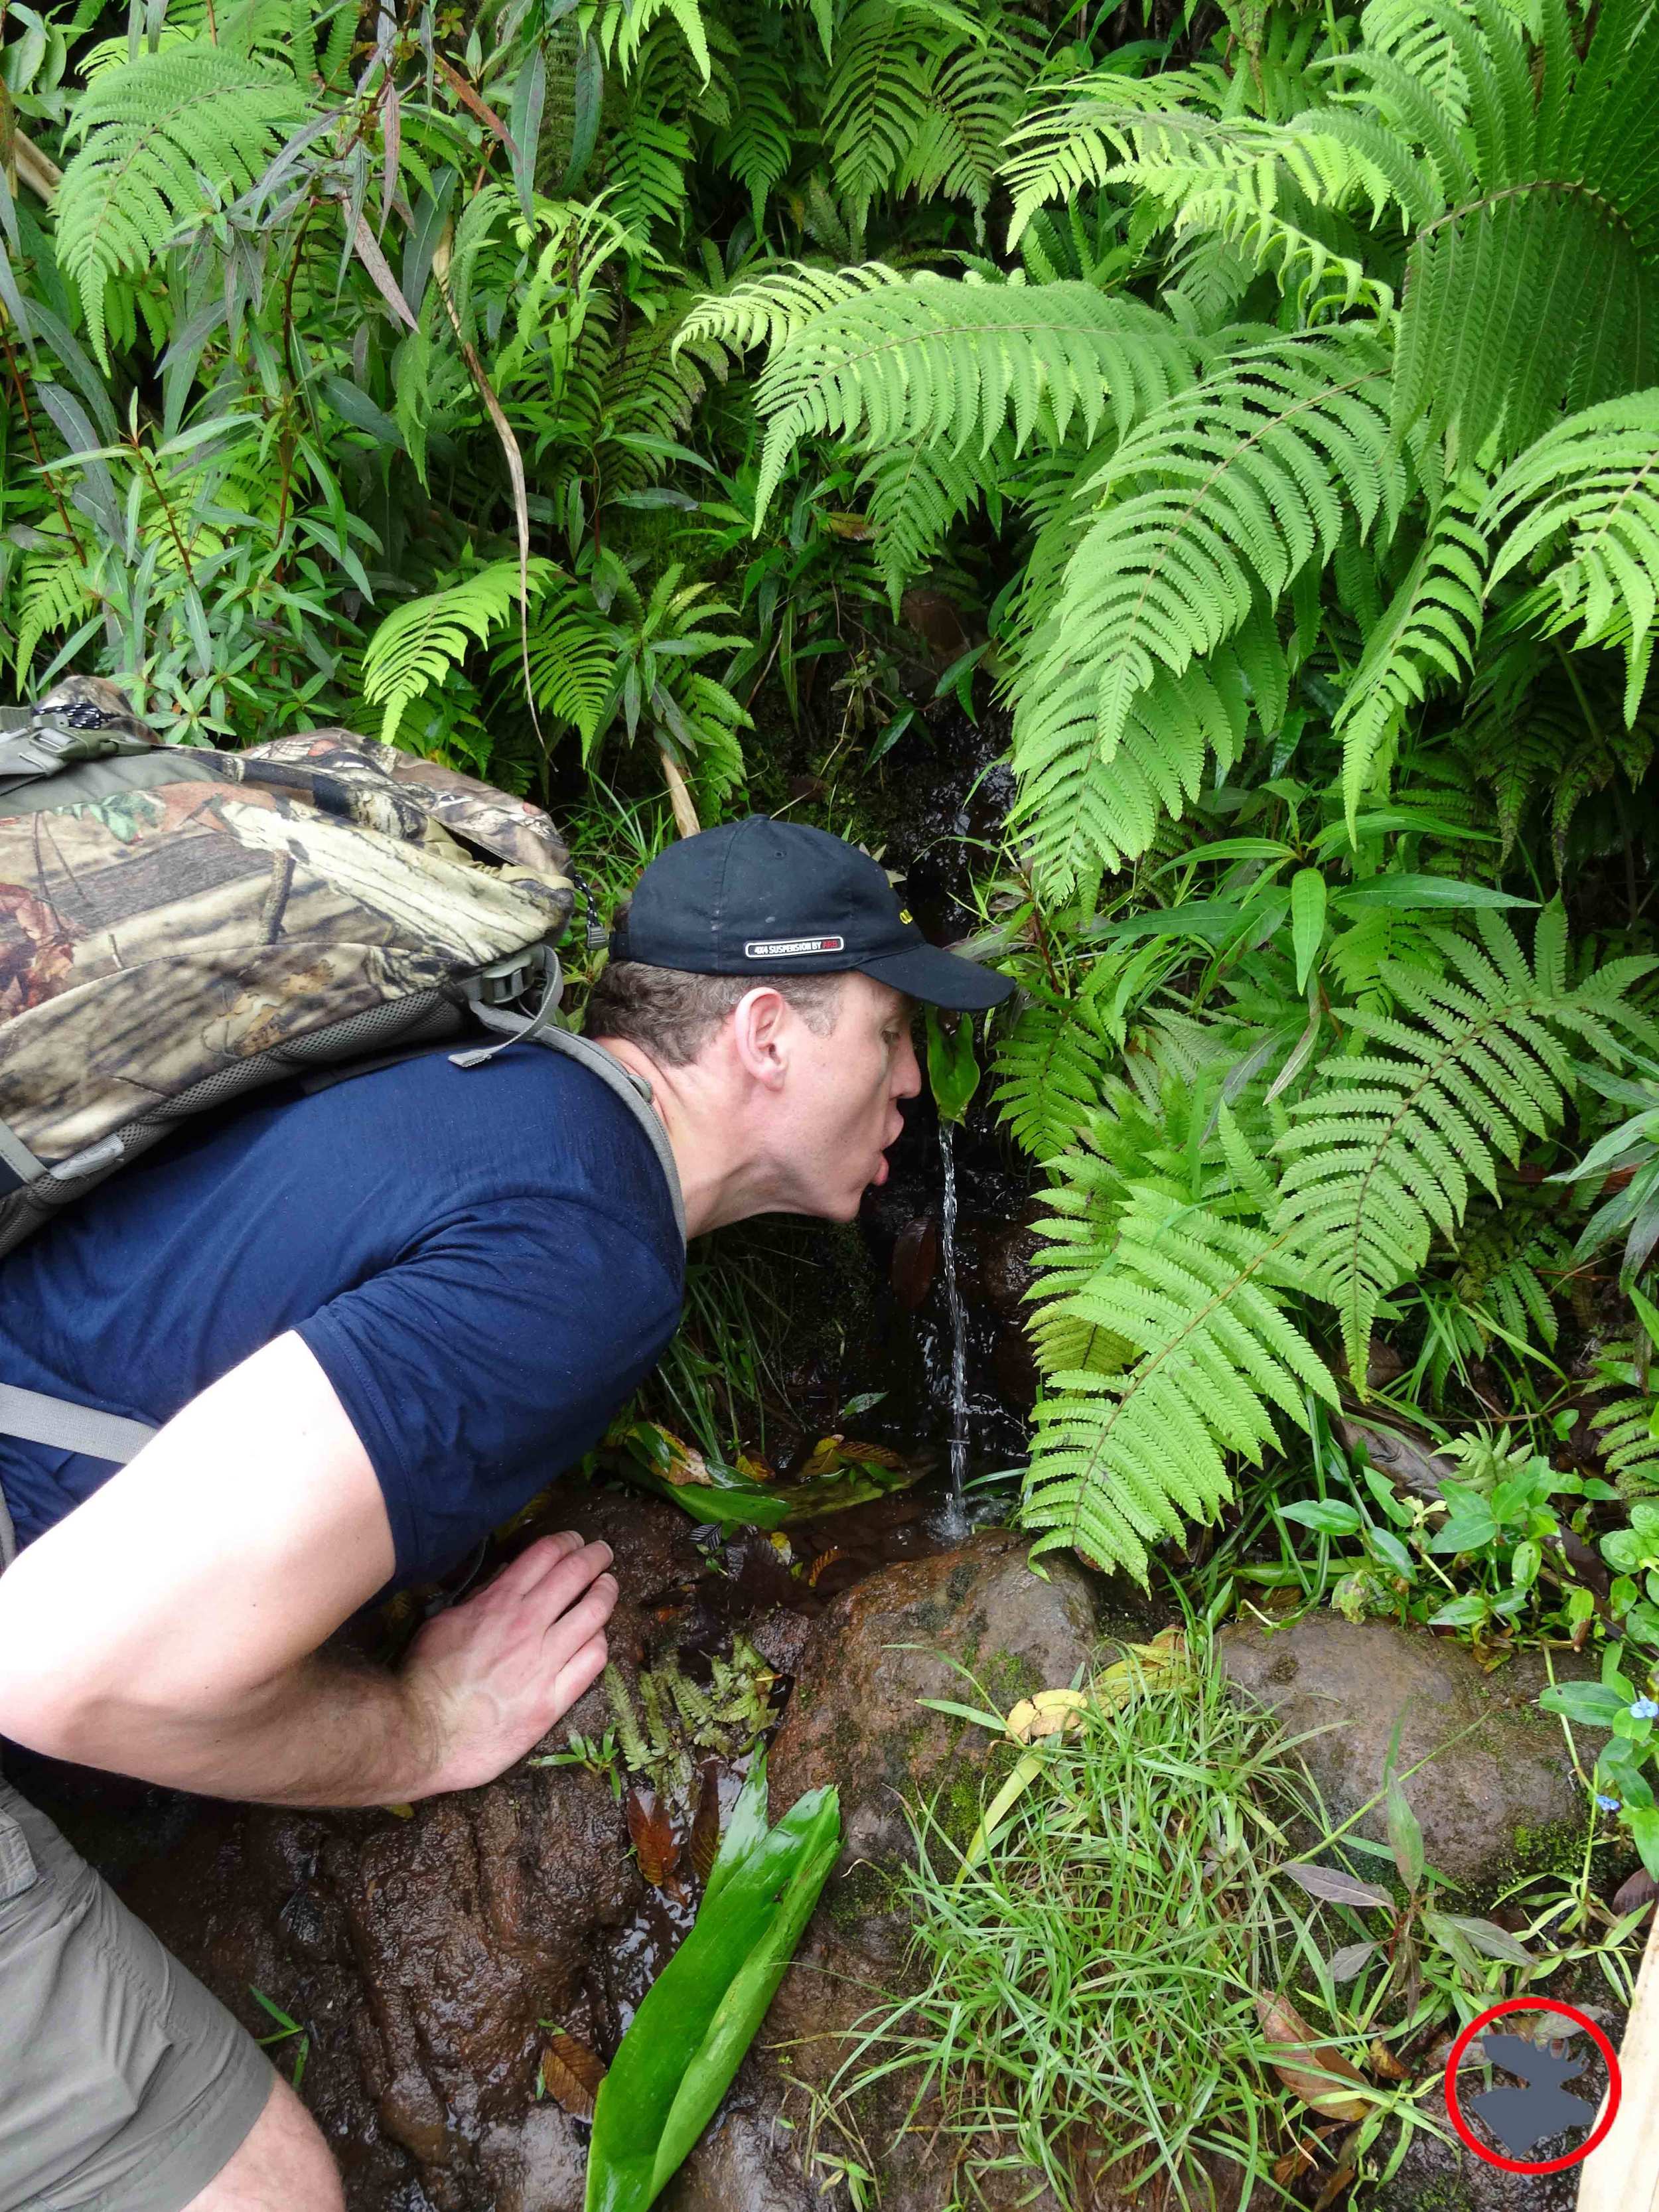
855,1721
1499,1797
855,1718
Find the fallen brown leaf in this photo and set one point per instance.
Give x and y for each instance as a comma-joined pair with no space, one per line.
705,1822
1312,2071
572,2073
655,1844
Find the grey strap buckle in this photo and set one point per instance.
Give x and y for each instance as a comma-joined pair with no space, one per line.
552,992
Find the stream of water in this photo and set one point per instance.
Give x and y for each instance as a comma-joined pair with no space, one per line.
954,1520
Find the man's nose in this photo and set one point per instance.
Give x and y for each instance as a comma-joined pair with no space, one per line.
907,1072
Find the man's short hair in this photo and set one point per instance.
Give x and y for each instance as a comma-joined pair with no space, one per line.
672,1014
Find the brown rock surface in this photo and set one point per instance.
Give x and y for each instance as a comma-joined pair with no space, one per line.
1500,1798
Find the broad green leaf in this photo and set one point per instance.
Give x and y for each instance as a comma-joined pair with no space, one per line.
1328,1516
952,1065
701,2014
1404,893
1592,1704
1308,901
1405,1834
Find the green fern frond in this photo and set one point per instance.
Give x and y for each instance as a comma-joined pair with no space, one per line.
1085,808
1593,482
1385,1152
972,98
164,139
620,28
1624,1423
573,660
916,496
952,363
1050,1070
54,593
645,165
419,643
1212,508
1431,631
1120,1461
1530,282
876,108
758,144
1081,137
768,310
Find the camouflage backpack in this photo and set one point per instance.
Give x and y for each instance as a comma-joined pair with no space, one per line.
179,927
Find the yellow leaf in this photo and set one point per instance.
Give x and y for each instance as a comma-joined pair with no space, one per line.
404,1812
1051,1712
824,1458
1160,1664
754,1470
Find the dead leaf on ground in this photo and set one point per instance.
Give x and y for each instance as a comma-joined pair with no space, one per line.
1640,1888
1382,2061
1162,1664
755,1470
830,1454
655,1844
571,2073
1342,2179
1312,2071
1397,1457
706,1821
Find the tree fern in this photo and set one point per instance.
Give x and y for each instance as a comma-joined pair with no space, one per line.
164,139
1591,487
1121,1460
1384,1153
419,643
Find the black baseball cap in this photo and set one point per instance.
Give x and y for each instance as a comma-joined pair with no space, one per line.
763,898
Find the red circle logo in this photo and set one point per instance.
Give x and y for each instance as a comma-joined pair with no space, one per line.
1465,2133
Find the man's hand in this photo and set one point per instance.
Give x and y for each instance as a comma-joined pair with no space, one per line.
167,1627
493,1674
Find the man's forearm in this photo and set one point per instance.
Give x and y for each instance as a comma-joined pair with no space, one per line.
325,1733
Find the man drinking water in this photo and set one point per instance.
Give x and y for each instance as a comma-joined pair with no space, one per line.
370,1321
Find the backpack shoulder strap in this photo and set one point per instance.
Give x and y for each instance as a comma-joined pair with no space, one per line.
634,1090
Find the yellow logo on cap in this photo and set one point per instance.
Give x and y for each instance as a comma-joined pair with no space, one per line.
904,914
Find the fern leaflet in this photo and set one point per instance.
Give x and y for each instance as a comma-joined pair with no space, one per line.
1385,1152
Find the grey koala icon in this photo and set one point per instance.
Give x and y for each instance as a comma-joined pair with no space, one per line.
1521,2117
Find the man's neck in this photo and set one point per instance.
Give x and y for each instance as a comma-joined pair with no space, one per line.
716,1184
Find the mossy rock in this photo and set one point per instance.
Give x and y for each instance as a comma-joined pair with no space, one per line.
1494,1788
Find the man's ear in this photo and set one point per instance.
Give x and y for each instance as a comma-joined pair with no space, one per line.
760,1034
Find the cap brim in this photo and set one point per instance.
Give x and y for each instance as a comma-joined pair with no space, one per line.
940,979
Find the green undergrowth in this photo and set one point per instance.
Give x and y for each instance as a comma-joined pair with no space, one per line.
1159,1964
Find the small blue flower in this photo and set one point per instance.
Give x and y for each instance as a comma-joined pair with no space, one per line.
1645,1709
1607,1804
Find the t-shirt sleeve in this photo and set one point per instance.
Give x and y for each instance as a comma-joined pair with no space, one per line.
489,1357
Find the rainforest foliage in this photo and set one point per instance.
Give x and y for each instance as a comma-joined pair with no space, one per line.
1268,391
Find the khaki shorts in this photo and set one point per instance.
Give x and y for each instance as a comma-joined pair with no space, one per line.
125,2087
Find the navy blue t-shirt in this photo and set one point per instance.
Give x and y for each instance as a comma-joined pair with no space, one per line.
484,1262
